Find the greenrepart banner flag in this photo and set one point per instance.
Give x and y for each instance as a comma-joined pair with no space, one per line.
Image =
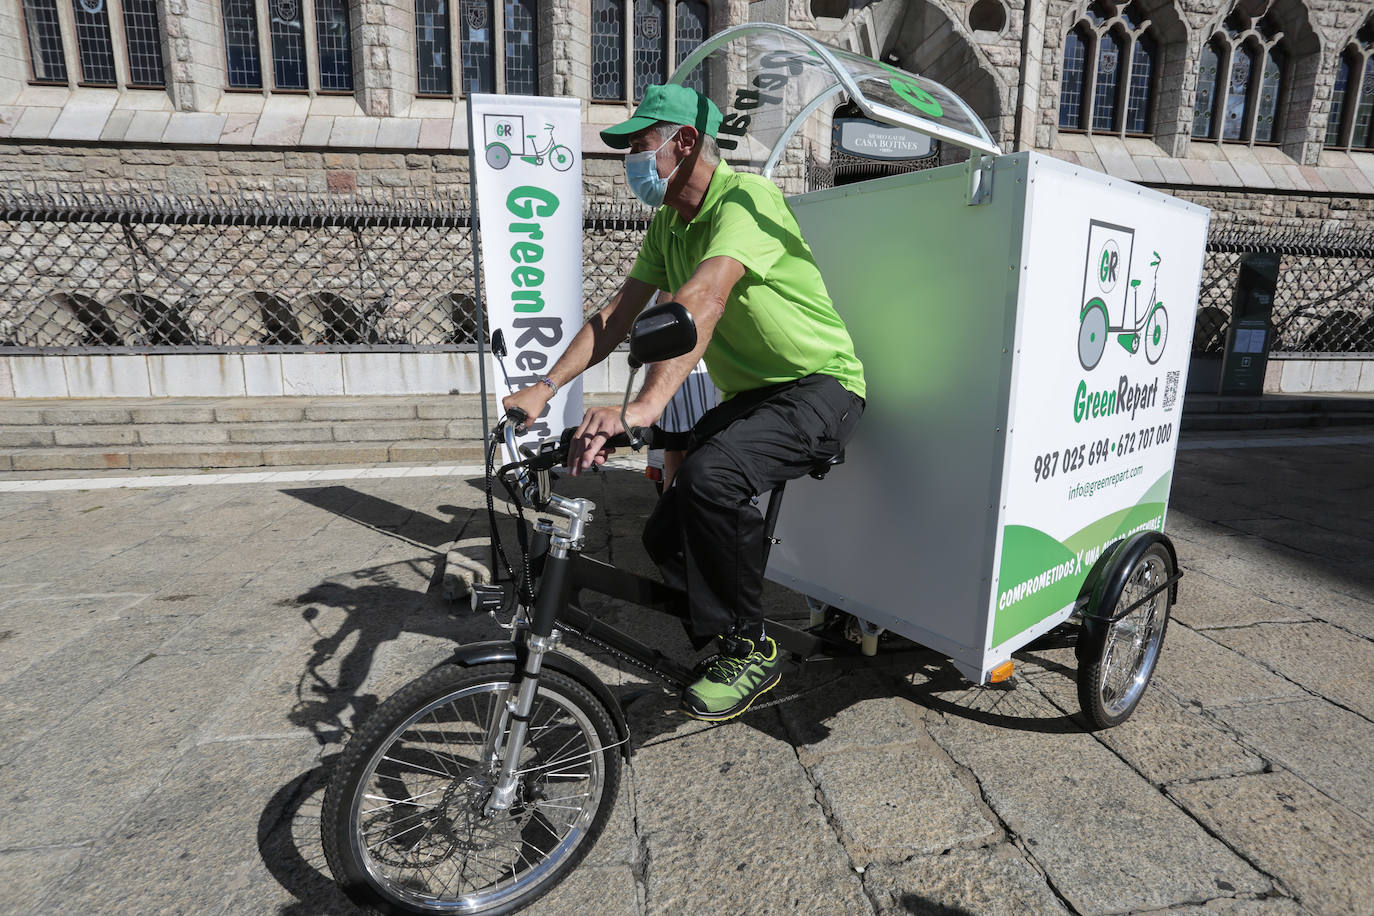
527,159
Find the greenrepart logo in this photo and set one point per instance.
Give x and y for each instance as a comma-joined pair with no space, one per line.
913,94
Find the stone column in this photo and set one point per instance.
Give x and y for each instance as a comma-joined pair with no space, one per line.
195,66
385,47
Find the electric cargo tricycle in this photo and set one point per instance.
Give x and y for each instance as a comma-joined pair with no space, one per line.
999,489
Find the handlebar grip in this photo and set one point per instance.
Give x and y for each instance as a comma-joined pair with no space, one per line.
619,440
517,416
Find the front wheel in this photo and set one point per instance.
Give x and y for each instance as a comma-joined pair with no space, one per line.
1117,659
1156,333
403,822
561,158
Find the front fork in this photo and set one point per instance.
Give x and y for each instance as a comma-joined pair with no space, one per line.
554,592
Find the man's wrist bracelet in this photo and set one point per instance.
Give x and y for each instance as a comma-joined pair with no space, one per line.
553,386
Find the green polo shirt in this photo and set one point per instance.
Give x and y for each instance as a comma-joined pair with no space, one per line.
779,323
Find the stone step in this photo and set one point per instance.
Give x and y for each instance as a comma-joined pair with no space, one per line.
1304,419
240,456
108,412
237,433
134,434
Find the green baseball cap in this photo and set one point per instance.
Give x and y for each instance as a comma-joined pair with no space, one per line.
673,103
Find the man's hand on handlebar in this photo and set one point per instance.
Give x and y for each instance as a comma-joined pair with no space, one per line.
531,400
588,446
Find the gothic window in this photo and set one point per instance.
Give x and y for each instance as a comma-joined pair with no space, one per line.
1074,79
1241,82
143,41
1208,90
477,46
693,25
522,47
103,29
487,32
335,45
48,63
241,44
608,49
1108,77
663,33
289,25
93,42
434,75
1350,125
651,44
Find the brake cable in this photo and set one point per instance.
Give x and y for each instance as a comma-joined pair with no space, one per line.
524,587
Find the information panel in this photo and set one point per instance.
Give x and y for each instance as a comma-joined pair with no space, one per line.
1111,277
528,157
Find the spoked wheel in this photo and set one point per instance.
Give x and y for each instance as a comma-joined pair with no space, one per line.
403,820
1116,660
1156,333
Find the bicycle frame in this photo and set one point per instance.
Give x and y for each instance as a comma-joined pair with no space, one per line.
564,573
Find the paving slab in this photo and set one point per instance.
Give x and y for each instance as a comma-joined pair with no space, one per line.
184,847
26,873
1106,842
699,860
1317,741
894,802
845,712
1163,740
79,781
1322,854
995,881
1325,659
1206,602
1196,670
36,697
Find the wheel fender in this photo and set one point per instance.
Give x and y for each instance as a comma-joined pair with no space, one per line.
483,653
1107,579
1094,303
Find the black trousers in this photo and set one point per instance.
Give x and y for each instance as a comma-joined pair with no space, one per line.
706,534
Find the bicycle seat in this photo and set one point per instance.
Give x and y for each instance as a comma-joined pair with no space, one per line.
822,467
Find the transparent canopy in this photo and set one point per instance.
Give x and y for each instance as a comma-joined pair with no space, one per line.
768,80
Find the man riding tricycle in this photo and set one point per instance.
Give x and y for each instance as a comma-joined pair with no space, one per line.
997,490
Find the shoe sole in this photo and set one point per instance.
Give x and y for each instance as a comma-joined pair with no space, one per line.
733,711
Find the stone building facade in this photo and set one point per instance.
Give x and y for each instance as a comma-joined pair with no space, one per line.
198,133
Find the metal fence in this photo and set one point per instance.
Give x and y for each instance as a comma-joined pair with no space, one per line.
121,271
82,271
1324,299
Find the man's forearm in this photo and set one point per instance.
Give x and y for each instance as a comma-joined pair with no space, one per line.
601,334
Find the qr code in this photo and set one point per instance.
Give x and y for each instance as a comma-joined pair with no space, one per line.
1170,389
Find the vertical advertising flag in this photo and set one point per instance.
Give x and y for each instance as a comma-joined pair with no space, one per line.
526,159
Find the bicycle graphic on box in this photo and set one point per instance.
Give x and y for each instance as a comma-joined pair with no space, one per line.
506,137
1108,263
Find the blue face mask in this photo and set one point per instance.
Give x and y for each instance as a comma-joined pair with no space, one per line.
641,171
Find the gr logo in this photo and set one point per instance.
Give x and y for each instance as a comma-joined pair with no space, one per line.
1108,265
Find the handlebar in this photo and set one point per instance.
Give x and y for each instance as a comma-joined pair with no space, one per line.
549,455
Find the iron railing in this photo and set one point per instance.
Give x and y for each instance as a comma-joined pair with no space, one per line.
128,271
1324,299
106,271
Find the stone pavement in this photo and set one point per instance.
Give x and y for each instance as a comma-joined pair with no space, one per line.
181,664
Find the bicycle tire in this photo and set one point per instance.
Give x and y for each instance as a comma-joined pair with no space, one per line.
395,871
1116,664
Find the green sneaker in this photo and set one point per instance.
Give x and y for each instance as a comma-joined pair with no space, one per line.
742,672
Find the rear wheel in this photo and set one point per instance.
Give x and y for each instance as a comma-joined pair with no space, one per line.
1117,659
1092,333
403,824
